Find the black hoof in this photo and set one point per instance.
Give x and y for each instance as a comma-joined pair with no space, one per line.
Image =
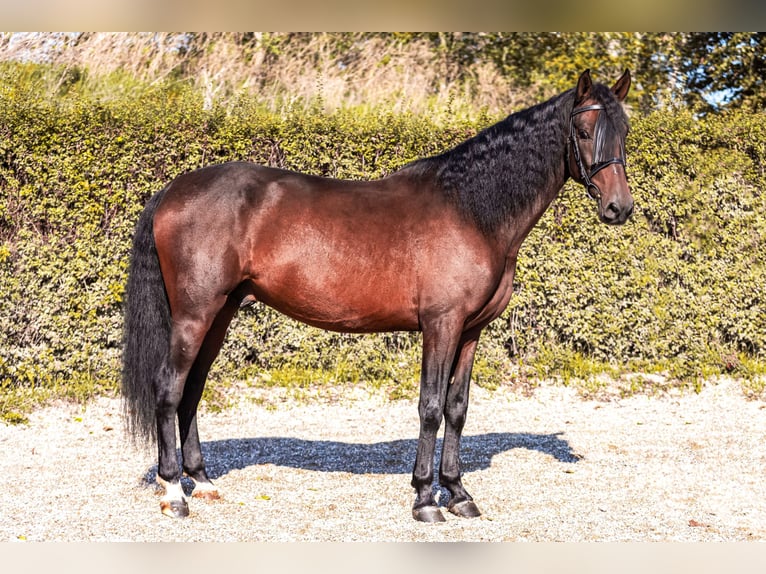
175,508
428,514
465,509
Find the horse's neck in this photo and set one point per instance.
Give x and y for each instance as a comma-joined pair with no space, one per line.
547,188
512,234
510,172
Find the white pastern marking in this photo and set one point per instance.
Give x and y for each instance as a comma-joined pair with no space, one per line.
204,486
173,490
205,490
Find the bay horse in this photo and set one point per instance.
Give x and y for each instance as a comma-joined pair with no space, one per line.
431,247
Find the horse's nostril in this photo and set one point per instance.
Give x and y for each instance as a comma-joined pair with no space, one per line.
616,213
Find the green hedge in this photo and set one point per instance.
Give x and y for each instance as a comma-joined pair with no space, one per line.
684,280
679,289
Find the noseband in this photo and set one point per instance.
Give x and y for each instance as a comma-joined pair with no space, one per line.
598,144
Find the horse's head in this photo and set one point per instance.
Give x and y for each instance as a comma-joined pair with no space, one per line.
597,129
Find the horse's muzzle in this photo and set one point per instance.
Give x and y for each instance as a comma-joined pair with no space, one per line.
616,213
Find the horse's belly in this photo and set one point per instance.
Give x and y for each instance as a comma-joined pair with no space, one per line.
347,304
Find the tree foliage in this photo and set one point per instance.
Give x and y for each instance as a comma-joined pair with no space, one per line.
725,69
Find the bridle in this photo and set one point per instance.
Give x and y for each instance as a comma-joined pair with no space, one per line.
598,144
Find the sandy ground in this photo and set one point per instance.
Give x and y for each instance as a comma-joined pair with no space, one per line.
550,467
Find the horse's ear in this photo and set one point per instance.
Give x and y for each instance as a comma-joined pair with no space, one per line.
583,86
622,86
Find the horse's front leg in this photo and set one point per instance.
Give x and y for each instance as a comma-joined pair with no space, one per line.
455,409
440,340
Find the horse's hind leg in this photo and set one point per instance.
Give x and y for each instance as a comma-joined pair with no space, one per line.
193,462
187,335
455,409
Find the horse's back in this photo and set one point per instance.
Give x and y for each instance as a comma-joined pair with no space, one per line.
337,254
332,253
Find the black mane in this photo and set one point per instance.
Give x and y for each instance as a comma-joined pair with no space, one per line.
498,173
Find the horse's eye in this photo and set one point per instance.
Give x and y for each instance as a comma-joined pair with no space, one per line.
584,135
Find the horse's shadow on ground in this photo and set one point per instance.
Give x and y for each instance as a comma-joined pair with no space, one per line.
387,457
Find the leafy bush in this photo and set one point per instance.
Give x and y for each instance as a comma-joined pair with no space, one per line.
683,281
680,288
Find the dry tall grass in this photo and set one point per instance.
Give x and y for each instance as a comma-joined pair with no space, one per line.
281,69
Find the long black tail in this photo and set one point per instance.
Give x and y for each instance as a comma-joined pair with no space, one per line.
146,334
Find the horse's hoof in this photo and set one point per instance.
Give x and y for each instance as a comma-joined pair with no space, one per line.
175,508
465,509
206,494
428,514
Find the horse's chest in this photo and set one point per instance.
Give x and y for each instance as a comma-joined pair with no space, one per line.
497,302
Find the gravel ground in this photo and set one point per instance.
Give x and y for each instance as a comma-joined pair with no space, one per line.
550,467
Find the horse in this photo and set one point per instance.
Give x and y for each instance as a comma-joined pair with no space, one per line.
431,247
